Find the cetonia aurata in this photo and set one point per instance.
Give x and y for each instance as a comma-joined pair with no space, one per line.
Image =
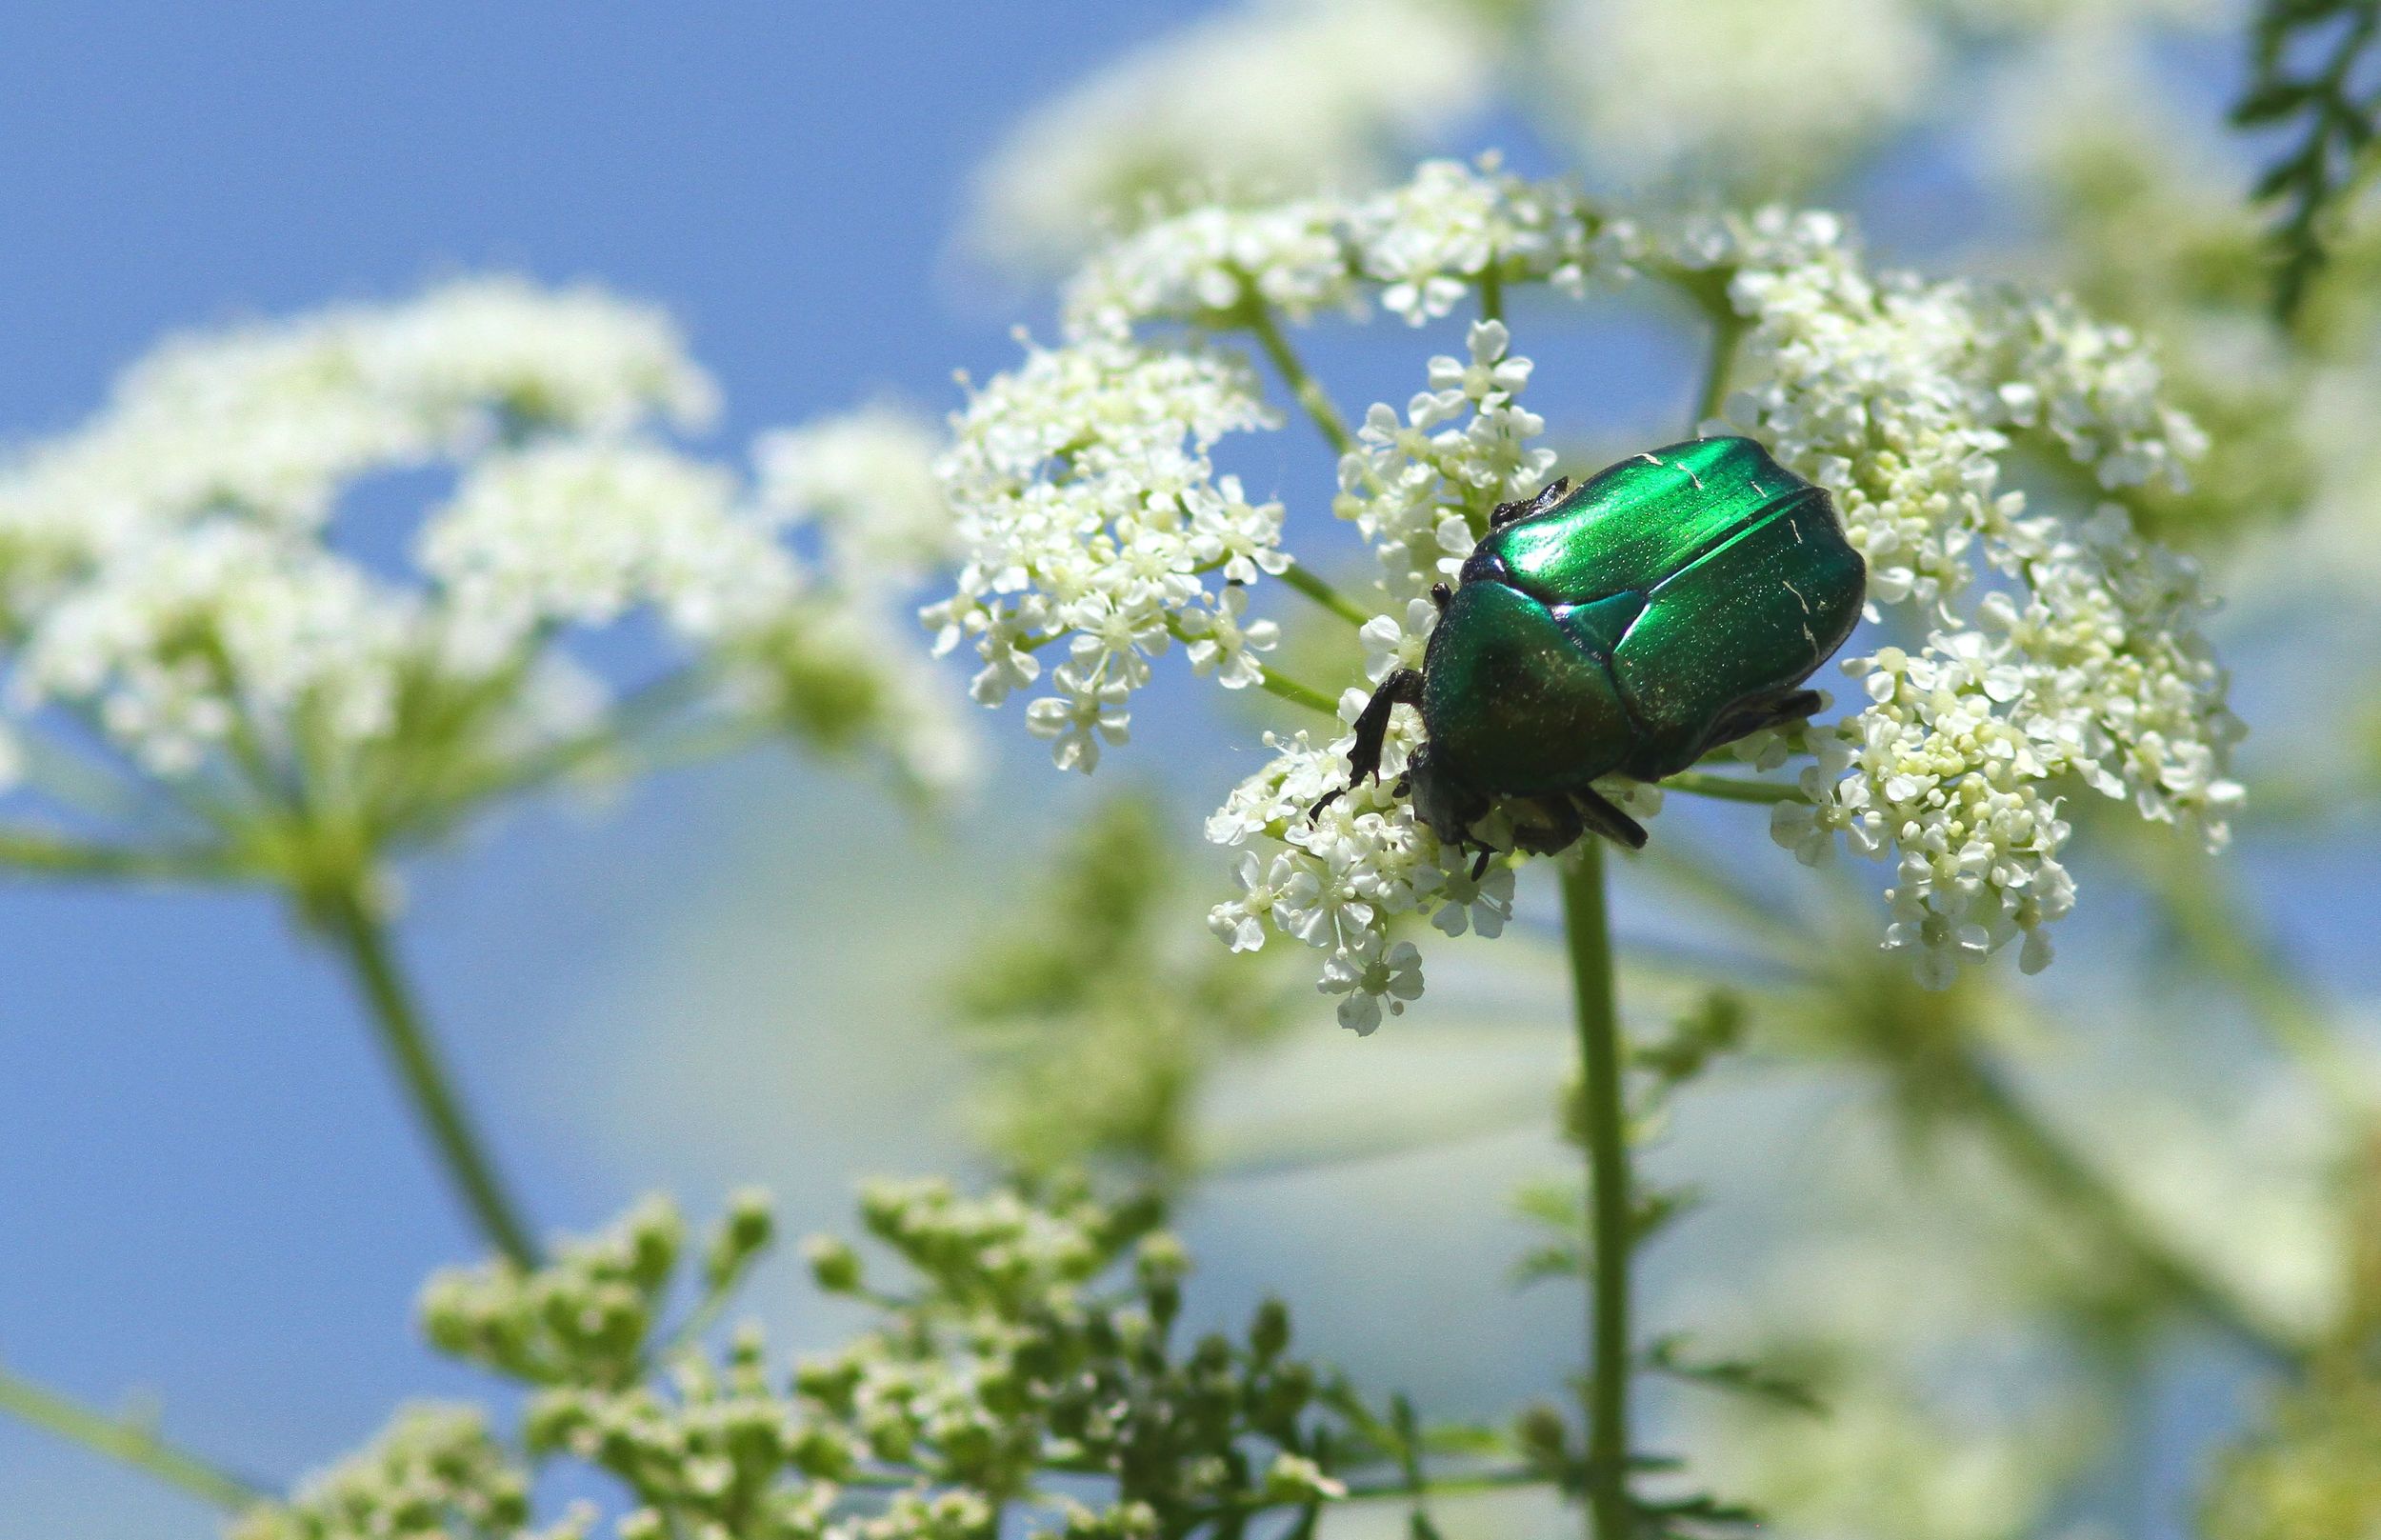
1667,606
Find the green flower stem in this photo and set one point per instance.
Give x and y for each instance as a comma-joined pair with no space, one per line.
1478,1480
39,852
86,781
643,709
1587,924
1289,689
1727,330
1993,1106
125,1440
1325,594
346,919
1311,394
1491,293
1730,788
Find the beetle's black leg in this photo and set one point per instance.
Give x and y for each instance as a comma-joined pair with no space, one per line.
1404,688
1514,513
1608,820
1479,867
1442,597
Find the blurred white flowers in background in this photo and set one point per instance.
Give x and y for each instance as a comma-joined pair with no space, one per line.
1740,98
1258,102
1266,100
201,580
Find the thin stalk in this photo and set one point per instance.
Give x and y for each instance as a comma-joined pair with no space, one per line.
1310,393
2060,1170
1325,594
1289,689
127,1441
643,710
1730,787
44,854
82,781
1727,329
346,919
1500,1480
1491,293
1587,924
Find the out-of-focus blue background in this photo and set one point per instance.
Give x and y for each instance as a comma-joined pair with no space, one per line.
208,1190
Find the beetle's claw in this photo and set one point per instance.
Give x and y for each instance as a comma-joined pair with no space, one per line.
1329,797
1479,867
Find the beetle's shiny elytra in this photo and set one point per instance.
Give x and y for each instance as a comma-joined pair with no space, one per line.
1672,604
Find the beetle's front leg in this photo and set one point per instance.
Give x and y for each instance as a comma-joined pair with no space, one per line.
1404,688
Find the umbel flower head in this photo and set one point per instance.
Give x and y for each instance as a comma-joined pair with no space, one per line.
1022,1356
2021,656
201,618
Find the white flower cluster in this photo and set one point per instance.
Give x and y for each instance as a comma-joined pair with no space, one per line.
1275,98
1431,239
1087,508
842,660
586,531
1421,484
2047,649
866,478
1336,879
1090,512
1421,245
2079,660
269,421
178,574
2073,655
224,633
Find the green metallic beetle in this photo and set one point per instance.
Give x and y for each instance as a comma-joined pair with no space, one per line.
1672,604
